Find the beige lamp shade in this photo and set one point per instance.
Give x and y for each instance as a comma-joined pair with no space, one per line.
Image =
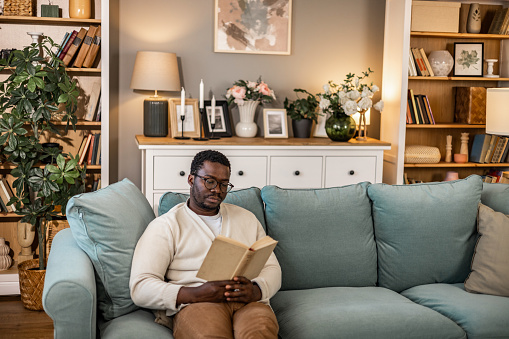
156,71
497,111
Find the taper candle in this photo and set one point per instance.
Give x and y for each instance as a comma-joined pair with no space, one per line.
183,102
213,114
201,94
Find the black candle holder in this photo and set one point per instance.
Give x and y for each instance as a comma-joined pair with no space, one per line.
212,126
201,138
182,117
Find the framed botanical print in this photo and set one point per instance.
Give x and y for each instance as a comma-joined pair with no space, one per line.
191,115
223,127
274,123
468,59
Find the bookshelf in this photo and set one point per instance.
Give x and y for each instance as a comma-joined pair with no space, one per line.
440,91
14,35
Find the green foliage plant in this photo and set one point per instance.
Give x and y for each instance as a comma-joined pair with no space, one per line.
302,108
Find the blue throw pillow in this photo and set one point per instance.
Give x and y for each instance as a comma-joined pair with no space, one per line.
107,225
496,196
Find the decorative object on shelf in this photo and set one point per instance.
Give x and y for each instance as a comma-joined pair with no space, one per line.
155,71
223,127
302,111
435,16
247,95
80,9
5,259
420,154
202,113
20,7
31,284
26,235
274,123
190,117
345,100
470,105
497,119
50,11
213,118
464,144
35,36
474,19
451,175
448,148
252,27
489,68
468,59
441,62
460,158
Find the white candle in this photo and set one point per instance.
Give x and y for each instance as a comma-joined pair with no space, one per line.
183,102
213,114
201,94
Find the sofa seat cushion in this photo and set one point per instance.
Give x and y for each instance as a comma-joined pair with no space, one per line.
357,312
106,225
496,196
425,233
137,324
325,236
480,315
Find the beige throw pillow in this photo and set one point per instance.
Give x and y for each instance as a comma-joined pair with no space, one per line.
490,264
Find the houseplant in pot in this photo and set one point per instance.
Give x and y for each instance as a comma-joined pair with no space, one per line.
302,111
29,97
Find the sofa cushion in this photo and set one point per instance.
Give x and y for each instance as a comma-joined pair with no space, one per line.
107,225
480,315
248,198
357,312
325,235
496,196
490,268
137,324
425,233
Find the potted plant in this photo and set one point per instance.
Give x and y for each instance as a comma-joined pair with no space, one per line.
302,111
36,89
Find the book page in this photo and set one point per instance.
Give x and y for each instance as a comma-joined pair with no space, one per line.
222,260
258,260
260,243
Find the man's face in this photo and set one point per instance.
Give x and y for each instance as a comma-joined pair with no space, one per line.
206,201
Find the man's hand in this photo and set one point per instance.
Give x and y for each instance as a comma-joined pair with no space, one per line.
242,290
211,291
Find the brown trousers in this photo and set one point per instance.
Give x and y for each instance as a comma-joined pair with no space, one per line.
225,320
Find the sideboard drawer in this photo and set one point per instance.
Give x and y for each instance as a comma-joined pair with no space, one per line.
296,172
340,171
248,171
170,173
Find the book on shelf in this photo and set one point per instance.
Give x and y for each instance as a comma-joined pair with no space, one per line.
422,108
93,101
85,46
99,109
412,71
505,24
420,66
93,157
68,44
76,43
426,62
505,155
85,148
480,142
498,21
62,45
90,149
429,111
97,160
417,118
498,150
228,258
6,196
94,49
489,153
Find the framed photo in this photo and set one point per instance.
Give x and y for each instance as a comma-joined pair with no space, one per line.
468,59
257,27
191,122
319,128
223,127
274,123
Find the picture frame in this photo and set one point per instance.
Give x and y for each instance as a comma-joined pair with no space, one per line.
192,122
223,126
319,127
468,59
237,30
275,123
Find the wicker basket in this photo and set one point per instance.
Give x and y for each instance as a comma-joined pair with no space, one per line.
20,7
31,284
52,229
418,154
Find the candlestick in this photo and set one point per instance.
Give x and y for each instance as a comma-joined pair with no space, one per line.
201,94
213,113
183,102
202,115
182,118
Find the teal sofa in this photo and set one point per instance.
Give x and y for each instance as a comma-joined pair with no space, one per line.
359,261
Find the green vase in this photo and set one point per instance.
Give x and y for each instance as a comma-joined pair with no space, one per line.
340,127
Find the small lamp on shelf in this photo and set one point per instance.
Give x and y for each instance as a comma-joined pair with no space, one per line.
155,71
497,111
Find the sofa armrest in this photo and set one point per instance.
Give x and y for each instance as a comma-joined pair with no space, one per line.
69,295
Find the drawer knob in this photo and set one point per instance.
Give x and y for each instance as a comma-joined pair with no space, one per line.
182,173
297,173
241,173
352,172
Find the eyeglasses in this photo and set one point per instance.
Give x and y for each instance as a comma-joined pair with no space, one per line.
211,183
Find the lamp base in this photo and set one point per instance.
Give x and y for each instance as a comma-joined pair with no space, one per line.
155,117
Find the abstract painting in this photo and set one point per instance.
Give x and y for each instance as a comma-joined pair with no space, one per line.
253,26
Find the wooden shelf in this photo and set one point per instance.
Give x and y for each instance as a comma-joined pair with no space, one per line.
456,78
453,164
71,69
8,166
459,35
10,215
45,21
443,125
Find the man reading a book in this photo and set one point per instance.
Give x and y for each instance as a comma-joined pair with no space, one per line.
173,247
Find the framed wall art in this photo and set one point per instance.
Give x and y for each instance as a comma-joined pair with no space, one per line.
468,59
256,26
223,127
191,122
274,123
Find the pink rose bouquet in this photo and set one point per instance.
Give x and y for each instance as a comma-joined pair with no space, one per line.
245,90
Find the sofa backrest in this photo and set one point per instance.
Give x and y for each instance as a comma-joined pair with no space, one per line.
496,196
325,236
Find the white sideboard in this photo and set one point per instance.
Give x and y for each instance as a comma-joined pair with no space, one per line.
287,163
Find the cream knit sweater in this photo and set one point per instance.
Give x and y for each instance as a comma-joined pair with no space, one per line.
173,247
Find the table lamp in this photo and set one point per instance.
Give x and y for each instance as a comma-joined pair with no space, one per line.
497,111
155,71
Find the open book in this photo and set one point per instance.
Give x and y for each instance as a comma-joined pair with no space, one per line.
228,258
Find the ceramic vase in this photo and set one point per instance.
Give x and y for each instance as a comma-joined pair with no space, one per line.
340,127
474,19
247,128
441,62
80,9
302,128
5,259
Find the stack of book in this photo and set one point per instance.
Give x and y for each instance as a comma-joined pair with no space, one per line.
418,109
6,194
418,63
500,23
495,176
80,49
90,149
490,149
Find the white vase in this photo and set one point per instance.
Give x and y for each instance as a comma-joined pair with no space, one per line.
441,62
247,128
5,259
474,19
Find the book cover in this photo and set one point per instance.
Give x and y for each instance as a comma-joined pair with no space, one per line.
85,46
485,147
418,116
93,50
97,137
98,154
496,23
4,195
504,157
489,153
422,107
426,62
430,112
68,44
74,46
62,45
497,150
90,150
408,114
411,64
412,110
85,149
93,101
420,62
477,145
228,258
10,192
